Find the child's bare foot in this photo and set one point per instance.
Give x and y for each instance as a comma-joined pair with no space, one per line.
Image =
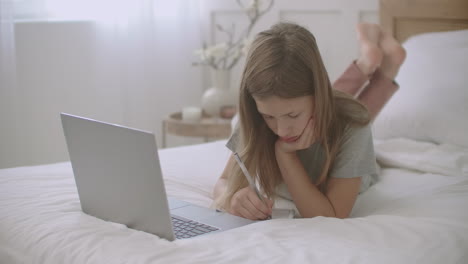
371,55
394,55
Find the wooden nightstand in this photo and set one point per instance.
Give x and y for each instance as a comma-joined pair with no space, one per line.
207,127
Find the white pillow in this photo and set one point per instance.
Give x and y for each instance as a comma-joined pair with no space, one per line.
432,102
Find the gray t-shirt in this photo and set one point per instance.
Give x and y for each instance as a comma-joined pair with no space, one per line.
356,158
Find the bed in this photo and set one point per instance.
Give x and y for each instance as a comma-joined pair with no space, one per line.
416,213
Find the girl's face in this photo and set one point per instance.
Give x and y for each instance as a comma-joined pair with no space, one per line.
287,118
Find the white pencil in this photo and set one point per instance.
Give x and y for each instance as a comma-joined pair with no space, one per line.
247,175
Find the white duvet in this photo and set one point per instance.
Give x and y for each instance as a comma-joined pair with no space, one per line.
417,213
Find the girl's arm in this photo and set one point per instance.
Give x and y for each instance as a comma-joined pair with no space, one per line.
220,186
338,201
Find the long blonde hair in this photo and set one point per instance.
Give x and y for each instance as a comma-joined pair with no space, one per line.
285,61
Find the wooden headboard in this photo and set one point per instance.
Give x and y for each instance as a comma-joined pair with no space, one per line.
405,18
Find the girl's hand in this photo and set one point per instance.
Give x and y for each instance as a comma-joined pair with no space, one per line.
304,141
245,203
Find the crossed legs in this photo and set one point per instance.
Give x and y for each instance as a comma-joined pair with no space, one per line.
379,62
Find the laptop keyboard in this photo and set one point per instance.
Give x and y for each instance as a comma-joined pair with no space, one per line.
185,228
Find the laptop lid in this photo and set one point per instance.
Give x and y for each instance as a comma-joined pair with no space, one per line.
118,174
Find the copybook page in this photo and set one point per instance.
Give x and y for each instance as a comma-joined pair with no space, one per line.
282,213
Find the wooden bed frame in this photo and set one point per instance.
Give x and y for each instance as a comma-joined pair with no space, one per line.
405,18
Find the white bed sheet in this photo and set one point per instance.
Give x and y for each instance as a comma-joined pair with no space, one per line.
416,213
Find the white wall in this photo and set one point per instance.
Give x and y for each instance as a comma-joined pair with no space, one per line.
332,22
57,65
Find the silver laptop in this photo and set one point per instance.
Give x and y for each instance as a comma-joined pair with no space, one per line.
119,179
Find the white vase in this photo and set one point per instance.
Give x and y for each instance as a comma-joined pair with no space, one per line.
220,96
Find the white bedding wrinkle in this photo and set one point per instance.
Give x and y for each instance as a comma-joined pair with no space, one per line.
443,159
416,213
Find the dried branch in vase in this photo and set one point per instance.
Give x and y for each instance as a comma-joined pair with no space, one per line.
225,55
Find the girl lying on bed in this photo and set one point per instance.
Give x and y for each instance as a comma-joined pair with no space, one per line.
305,141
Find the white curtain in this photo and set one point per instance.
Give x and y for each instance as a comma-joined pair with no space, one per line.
148,56
123,61
8,94
7,45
